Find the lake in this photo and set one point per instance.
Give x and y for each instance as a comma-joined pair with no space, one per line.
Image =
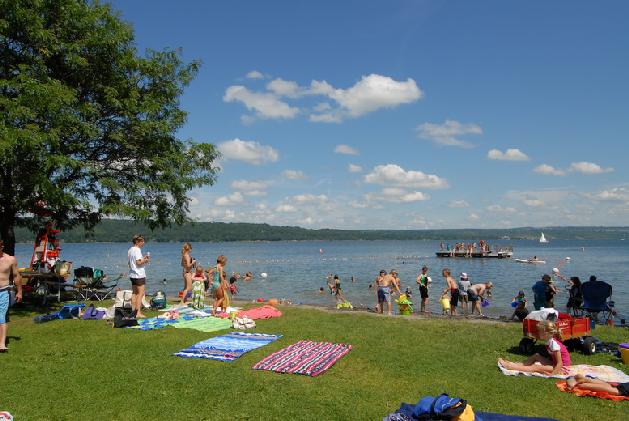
296,269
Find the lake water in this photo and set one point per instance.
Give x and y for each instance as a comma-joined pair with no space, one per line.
296,270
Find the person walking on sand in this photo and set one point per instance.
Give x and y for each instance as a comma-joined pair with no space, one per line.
188,264
453,288
338,291
137,274
8,272
385,283
423,280
218,286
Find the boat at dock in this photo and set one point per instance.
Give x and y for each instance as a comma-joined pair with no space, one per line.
499,253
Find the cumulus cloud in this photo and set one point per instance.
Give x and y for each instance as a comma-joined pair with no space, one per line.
286,208
345,150
293,174
254,74
533,202
281,87
193,201
394,175
548,170
447,133
501,209
508,155
473,217
371,93
248,151
354,168
229,200
588,168
616,194
308,198
458,204
265,105
394,195
248,185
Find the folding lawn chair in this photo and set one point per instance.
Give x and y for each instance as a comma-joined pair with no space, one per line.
90,284
596,300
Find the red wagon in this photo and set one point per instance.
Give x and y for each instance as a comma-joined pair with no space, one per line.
575,334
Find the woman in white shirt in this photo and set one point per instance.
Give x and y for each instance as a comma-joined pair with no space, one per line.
137,274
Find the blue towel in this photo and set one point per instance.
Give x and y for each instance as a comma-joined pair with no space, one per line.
227,347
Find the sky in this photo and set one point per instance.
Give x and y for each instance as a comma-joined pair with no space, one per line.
404,114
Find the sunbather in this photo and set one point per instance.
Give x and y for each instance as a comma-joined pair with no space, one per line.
560,357
585,383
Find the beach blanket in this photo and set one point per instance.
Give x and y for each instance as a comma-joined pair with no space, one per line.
405,413
580,392
206,324
602,372
228,347
304,357
264,312
153,323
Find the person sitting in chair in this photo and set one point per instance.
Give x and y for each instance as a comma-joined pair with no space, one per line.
595,295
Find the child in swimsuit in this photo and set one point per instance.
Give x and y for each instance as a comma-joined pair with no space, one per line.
559,361
218,286
198,288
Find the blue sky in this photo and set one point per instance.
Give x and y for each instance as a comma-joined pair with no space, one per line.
405,114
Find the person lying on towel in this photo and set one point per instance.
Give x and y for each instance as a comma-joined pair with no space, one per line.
595,385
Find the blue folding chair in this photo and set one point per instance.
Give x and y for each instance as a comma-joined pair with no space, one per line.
597,300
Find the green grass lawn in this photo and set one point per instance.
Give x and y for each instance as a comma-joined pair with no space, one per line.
75,369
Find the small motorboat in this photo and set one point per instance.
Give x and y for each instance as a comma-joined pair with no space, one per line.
531,261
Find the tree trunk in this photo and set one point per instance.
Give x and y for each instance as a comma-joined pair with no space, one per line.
7,234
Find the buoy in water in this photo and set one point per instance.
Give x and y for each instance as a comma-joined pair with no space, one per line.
264,274
555,270
568,258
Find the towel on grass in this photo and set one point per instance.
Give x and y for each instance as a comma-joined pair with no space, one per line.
581,392
206,324
264,312
228,347
602,372
405,413
304,357
153,323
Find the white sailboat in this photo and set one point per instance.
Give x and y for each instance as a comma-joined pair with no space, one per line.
543,239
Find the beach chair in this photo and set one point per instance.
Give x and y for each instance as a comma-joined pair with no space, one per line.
90,284
596,300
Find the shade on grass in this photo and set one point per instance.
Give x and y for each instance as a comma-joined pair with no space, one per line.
74,369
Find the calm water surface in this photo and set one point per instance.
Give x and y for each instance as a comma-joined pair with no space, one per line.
296,270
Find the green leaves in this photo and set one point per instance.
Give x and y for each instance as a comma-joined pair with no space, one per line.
88,125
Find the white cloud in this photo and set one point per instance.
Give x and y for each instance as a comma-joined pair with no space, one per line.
308,198
533,202
293,174
322,106
232,199
345,150
588,168
473,217
286,208
194,201
395,195
354,168
616,194
502,209
247,185
254,74
458,204
281,87
548,170
248,151
307,221
265,105
256,193
394,175
508,155
447,133
371,93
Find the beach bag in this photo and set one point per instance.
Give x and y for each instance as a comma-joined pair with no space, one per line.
243,323
70,311
93,314
124,317
159,300
442,407
123,298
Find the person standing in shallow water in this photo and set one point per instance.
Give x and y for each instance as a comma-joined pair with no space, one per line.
423,280
453,288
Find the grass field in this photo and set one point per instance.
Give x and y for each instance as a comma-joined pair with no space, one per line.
75,369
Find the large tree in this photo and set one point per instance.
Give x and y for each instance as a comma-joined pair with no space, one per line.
88,126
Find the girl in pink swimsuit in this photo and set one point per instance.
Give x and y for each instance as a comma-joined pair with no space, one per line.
559,361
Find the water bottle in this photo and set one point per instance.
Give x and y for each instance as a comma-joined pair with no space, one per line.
148,254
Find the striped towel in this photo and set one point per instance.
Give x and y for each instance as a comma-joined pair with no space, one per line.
228,347
304,357
206,324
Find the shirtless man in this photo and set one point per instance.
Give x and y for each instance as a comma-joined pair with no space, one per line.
453,288
8,270
476,292
385,283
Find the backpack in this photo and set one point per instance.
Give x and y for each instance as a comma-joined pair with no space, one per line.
124,317
93,314
442,407
159,300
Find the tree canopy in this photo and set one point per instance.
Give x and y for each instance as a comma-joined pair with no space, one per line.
88,125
